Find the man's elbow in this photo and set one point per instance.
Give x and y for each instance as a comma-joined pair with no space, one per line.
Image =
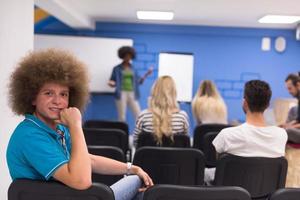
83,184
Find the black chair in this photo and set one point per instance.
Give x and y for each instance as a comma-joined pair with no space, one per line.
179,166
286,194
109,152
199,140
209,150
106,124
258,175
201,130
176,192
106,137
148,139
24,189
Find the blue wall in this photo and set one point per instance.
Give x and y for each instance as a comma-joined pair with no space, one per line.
229,56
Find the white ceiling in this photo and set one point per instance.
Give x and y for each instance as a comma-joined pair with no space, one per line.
232,13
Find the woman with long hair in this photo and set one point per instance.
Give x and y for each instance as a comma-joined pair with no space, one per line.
208,106
163,116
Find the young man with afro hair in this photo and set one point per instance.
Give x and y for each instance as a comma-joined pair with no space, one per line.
50,88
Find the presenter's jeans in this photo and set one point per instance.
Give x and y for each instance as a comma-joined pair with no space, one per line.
127,98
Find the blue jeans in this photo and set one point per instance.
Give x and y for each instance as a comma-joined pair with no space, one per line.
127,188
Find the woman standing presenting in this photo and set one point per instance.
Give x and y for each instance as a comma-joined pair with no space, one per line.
126,80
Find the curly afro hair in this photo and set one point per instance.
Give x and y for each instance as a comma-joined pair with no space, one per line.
123,51
47,66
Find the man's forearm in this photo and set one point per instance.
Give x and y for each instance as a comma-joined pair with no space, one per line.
80,163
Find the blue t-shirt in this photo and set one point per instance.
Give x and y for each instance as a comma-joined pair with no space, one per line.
35,151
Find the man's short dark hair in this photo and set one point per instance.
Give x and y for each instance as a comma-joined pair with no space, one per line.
294,78
123,51
257,93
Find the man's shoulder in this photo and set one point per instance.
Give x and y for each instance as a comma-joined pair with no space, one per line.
233,133
232,129
24,127
277,130
293,109
28,130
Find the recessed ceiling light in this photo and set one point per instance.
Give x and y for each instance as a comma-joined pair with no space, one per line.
154,15
279,19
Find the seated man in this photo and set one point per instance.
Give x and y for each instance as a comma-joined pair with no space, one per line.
253,138
51,88
292,124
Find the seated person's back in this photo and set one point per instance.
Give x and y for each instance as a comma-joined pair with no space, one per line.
163,117
252,141
253,138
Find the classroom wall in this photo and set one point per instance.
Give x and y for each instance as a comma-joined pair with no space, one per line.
229,56
16,38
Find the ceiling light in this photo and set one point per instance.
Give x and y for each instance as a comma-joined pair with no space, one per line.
154,15
279,19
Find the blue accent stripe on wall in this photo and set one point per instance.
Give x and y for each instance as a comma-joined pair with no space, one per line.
229,56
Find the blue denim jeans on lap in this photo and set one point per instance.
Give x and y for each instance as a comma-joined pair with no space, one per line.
127,188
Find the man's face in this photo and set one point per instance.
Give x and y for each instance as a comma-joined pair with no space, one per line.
50,101
293,90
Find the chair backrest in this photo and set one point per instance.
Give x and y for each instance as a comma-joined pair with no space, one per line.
24,189
258,175
106,124
209,149
179,166
176,192
109,152
286,194
106,137
201,130
148,139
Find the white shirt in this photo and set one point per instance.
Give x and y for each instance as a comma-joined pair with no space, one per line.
251,141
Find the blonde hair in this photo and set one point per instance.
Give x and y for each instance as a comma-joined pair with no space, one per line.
208,105
162,104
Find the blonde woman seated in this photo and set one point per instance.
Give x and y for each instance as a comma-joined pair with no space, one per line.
163,117
208,105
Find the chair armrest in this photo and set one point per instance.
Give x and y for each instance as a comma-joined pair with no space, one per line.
25,189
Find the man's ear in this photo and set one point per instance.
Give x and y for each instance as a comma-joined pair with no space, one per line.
245,105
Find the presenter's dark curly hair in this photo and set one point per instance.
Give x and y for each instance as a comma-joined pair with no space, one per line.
123,51
47,66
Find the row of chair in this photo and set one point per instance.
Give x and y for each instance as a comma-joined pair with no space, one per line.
185,166
27,190
111,133
165,169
